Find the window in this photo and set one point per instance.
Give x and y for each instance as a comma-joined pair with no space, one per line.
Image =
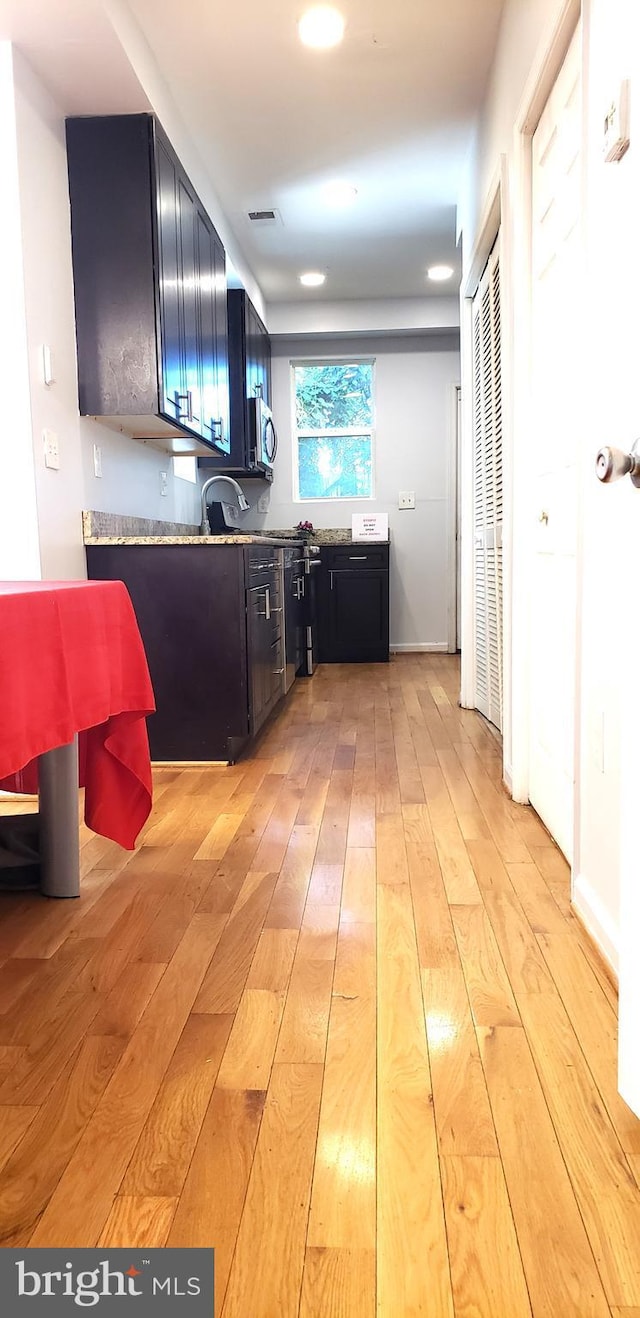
333,436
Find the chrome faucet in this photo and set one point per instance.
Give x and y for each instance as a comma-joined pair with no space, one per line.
243,504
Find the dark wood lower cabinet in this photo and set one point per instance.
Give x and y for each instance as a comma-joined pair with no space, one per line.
210,619
354,604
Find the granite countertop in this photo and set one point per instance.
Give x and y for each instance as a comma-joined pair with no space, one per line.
115,529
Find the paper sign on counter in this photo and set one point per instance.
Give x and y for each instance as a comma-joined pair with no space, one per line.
370,526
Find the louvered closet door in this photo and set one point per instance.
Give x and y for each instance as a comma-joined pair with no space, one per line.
487,492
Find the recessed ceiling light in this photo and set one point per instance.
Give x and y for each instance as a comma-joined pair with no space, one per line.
321,26
339,194
312,279
439,273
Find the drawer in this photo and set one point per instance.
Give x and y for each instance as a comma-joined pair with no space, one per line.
349,558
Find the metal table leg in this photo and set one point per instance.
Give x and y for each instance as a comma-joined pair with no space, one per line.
59,825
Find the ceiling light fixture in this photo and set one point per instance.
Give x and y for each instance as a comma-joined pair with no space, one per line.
312,279
438,273
339,194
321,26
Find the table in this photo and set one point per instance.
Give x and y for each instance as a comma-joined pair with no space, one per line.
74,695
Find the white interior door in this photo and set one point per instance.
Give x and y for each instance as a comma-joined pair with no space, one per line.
558,378
487,492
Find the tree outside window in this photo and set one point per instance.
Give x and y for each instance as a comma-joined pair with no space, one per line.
334,429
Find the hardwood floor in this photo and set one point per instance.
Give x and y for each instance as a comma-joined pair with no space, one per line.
335,1018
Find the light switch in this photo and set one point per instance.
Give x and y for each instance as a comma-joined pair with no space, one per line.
263,503
97,461
406,499
51,449
164,490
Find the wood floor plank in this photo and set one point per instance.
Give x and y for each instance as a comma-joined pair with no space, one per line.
14,1123
111,1135
343,1202
559,1267
488,986
290,893
250,1051
391,852
359,886
227,975
34,1168
338,1283
211,1203
305,1021
457,872
127,1000
486,1269
464,1123
410,1220
269,1281
162,1155
138,1222
595,1025
604,1186
434,930
525,965
273,960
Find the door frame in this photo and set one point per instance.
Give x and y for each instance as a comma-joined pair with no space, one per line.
453,537
508,207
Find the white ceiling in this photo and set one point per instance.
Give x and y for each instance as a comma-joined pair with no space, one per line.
390,110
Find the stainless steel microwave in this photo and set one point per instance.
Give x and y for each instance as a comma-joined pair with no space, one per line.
263,440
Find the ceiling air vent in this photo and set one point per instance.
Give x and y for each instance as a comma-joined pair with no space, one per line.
265,217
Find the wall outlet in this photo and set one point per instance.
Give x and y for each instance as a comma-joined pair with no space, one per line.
263,503
406,499
164,487
51,449
97,461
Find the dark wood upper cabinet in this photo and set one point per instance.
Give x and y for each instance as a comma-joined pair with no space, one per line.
150,288
249,375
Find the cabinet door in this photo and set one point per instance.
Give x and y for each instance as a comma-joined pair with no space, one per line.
190,413
356,616
207,347
222,343
171,346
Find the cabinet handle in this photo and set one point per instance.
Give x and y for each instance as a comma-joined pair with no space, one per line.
277,671
189,397
214,427
267,602
357,558
331,581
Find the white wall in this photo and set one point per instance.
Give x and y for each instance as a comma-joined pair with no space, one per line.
413,413
379,315
19,544
130,482
606,617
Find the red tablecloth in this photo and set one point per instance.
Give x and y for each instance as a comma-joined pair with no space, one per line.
72,661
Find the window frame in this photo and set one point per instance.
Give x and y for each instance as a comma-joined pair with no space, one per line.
337,433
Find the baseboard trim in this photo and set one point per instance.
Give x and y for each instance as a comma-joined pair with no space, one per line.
596,921
420,647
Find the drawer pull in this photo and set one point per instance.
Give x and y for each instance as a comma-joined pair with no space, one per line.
357,558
